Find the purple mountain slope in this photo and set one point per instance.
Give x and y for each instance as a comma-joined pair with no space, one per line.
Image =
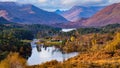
77,12
28,13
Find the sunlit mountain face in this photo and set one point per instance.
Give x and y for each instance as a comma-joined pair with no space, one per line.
109,15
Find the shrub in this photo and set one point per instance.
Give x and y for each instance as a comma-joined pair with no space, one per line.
115,44
13,61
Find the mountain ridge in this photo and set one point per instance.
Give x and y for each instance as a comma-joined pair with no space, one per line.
4,21
108,15
28,14
78,12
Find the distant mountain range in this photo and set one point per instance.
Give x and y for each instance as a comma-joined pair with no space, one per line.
78,16
29,14
108,15
78,12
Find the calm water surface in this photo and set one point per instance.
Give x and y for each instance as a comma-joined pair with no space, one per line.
42,54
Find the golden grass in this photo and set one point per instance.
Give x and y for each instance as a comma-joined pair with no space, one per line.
28,41
13,61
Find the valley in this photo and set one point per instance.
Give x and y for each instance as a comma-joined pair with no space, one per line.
101,42
80,37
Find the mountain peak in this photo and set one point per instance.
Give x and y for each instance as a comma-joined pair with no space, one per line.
7,2
78,12
3,20
58,11
27,13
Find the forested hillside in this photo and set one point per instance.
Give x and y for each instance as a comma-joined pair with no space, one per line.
13,36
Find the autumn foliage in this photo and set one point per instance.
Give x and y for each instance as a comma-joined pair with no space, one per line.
14,60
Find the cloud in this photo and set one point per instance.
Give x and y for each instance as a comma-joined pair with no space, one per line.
67,4
7,0
64,4
113,1
42,1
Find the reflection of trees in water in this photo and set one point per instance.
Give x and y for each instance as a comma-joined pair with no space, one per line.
45,48
51,50
63,55
38,48
51,53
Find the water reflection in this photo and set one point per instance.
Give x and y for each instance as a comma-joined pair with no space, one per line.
38,48
41,54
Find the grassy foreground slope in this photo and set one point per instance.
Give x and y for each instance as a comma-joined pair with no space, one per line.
105,55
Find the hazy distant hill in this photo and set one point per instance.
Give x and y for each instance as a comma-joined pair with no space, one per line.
108,15
28,13
78,12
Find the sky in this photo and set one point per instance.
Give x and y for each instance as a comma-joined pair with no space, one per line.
52,5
